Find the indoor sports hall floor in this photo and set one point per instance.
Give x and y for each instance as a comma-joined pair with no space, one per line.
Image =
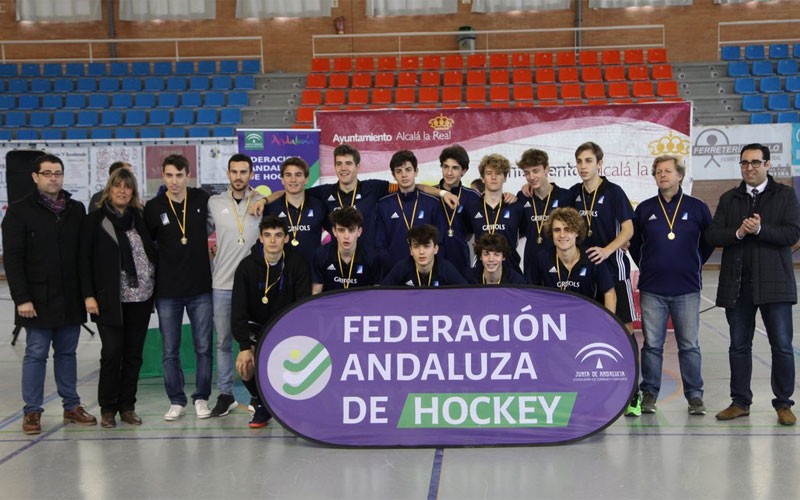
667,455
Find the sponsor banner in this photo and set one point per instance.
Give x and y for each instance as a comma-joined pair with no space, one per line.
213,166
715,150
101,157
76,175
446,367
270,147
631,137
796,149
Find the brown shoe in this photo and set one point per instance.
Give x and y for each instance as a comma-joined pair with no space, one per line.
130,417
785,416
32,423
108,420
733,411
78,415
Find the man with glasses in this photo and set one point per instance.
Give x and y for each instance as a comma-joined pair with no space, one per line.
40,241
757,223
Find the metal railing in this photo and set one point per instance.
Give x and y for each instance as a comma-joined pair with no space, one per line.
788,34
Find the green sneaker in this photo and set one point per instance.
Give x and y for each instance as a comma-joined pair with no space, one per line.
634,407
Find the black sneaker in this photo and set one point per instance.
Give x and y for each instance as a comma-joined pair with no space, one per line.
225,403
648,403
261,418
696,406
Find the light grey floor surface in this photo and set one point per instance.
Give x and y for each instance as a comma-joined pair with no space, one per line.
667,455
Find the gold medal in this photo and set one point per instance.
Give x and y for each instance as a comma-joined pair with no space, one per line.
295,243
670,222
671,235
184,240
264,299
589,233
450,233
539,240
240,240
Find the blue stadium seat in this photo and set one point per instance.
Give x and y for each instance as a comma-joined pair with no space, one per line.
52,101
770,84
140,68
744,85
228,67
87,119
111,118
788,67
40,85
738,68
74,69
118,69
17,85
27,102
779,102
223,131
6,135
2,86
206,67
162,68
779,51
176,83
245,82
27,134
96,69
199,132
76,134
135,117
184,68
754,52
732,53
174,133
206,117
63,85
75,101
753,103
158,117
98,101
7,102
230,116
796,50
154,84
8,70
149,133
788,117
214,99
144,100
251,66
237,98
125,133
86,85
183,117
63,119
101,133
760,118
40,119
108,84
198,82
191,100
52,70
121,101
762,68
52,134
221,82
792,84
30,70
16,119
131,84
168,100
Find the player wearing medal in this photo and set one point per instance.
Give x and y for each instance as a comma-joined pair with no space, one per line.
177,222
342,263
423,268
669,247
567,267
545,197
304,214
492,250
454,161
397,213
265,283
237,231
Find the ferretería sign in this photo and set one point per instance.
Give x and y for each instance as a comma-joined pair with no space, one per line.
446,367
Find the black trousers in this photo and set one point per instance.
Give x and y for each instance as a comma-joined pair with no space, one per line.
121,357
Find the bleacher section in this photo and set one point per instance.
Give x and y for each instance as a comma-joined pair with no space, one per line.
121,100
487,80
768,79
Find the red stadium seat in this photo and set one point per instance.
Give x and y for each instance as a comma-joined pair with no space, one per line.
520,60
611,57
498,77
316,81
591,74
342,64
667,88
498,60
568,75
430,79
565,58
432,62
634,56
407,79
305,115
358,96
547,92
545,75
381,96
338,81
618,90
476,77
334,97
523,93
384,79
615,73
571,91
637,73
428,95
452,94
543,59
594,91
362,80
365,64
498,93
588,58
662,72
409,63
522,75
642,89
387,63
454,77
320,65
656,56
476,61
453,61
404,96
311,98
476,94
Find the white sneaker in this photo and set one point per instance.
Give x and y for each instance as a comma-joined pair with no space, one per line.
174,413
202,409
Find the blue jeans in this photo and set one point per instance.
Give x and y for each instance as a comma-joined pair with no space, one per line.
685,312
778,323
222,323
65,366
170,322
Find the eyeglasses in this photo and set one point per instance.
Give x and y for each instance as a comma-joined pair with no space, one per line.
752,164
48,173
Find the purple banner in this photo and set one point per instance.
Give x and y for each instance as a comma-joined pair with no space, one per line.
268,148
472,366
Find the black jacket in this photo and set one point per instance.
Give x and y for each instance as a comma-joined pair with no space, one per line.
770,255
100,264
40,252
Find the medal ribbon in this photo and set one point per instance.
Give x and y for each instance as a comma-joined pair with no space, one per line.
289,216
591,209
352,200
346,284
569,272
182,226
241,222
267,285
539,224
674,216
493,227
451,218
413,212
